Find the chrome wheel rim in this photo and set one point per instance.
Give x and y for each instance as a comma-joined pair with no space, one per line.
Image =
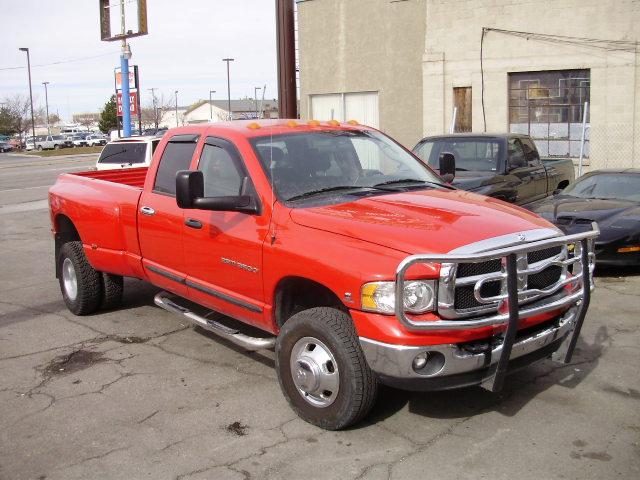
69,279
315,372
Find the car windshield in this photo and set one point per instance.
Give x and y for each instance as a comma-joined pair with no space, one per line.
473,154
312,163
58,137
123,153
609,186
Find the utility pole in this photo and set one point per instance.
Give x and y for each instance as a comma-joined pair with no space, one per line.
255,99
33,123
228,87
124,75
155,108
211,105
46,103
176,93
285,34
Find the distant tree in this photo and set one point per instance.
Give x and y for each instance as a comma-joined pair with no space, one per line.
16,115
152,112
87,121
54,119
109,116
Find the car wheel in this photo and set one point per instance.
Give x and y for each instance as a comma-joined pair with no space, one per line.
56,147
322,370
39,148
80,283
112,287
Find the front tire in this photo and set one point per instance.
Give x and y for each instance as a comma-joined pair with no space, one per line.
322,370
80,283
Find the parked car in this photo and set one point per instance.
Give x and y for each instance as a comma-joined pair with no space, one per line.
609,197
505,166
338,248
5,147
80,140
132,152
95,140
45,142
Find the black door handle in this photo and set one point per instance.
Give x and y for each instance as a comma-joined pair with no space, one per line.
190,222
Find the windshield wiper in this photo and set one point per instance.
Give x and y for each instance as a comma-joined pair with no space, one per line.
407,180
114,154
327,189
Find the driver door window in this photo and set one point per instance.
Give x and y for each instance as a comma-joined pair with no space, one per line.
221,175
516,154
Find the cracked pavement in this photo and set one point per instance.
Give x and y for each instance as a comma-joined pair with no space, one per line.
138,393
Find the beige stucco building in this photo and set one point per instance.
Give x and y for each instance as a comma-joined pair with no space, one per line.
404,66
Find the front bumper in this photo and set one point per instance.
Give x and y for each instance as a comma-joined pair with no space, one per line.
455,366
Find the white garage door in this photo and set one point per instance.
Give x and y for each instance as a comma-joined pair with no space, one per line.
359,106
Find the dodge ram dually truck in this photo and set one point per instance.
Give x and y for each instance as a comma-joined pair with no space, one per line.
334,245
505,166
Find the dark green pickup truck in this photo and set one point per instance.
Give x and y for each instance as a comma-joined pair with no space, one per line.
505,166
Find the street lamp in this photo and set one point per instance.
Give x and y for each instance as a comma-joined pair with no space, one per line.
228,87
255,99
46,103
211,105
33,123
176,92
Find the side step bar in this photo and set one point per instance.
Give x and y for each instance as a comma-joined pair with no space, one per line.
249,343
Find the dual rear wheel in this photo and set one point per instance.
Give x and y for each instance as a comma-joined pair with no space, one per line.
84,289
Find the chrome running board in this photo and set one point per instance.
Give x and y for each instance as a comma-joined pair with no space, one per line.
234,336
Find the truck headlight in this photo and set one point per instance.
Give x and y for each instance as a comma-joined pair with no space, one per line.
419,296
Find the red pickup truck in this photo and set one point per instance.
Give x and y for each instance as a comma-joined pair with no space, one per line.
333,244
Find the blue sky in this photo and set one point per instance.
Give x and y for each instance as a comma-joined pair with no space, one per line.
183,51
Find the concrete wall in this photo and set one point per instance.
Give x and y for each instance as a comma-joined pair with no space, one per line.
366,45
452,59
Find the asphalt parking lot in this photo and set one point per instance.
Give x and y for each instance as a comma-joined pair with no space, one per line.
137,393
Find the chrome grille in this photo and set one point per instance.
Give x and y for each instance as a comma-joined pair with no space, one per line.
473,288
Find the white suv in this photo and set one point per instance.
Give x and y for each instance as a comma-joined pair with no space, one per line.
132,152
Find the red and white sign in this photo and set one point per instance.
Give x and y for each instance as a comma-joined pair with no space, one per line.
133,103
132,78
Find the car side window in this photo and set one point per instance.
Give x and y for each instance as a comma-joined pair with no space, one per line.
176,156
530,152
222,176
516,154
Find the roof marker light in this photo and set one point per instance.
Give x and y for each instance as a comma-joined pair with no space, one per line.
253,126
353,122
313,123
334,123
292,123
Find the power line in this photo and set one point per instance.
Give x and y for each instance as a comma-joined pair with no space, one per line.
61,62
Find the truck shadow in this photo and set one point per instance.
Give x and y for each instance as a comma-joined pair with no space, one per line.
520,388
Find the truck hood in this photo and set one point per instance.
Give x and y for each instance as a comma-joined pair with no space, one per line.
429,221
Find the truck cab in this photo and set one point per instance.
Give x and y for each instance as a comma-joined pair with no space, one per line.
504,166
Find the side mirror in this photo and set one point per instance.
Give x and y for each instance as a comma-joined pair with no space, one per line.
190,195
447,166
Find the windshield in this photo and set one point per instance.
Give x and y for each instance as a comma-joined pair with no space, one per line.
310,163
58,137
473,154
608,186
123,153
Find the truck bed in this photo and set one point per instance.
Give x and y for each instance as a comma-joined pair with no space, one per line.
102,205
134,177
